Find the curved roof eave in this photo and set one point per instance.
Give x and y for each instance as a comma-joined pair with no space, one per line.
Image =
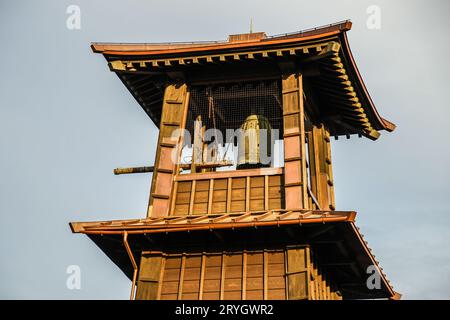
381,123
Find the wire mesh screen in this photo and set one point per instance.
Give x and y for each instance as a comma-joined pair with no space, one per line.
226,106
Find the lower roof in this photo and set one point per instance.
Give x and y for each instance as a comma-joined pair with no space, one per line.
341,249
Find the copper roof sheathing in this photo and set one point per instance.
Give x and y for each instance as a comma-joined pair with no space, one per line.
212,221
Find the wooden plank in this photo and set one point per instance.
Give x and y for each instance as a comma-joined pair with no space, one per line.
229,174
210,195
222,277
173,197
161,277
329,169
312,282
265,275
191,201
308,271
266,192
197,147
244,275
247,195
162,182
181,281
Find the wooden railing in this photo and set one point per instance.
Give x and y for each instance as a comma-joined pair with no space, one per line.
228,191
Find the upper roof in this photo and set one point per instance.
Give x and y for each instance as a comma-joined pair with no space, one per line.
346,106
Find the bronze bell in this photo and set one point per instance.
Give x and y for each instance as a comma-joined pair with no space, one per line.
255,134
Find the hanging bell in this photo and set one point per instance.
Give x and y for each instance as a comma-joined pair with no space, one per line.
254,143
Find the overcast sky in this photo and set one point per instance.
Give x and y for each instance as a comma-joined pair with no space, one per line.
66,121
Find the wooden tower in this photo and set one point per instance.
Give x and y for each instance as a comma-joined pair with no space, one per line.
221,222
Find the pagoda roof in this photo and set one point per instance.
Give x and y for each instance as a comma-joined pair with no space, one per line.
339,243
345,104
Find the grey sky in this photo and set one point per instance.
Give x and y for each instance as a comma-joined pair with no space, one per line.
66,121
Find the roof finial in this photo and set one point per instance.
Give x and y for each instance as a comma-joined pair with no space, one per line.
251,25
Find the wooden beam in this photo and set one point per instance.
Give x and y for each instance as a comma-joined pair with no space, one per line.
173,111
294,140
202,277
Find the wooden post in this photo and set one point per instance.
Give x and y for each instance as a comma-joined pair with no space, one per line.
173,117
265,275
320,167
296,192
202,277
244,276
181,281
197,148
329,169
222,277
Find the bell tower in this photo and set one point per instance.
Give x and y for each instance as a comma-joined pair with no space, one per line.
242,200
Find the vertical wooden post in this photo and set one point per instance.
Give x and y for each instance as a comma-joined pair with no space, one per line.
244,276
173,117
181,282
265,275
202,277
247,194
197,146
229,194
222,277
266,192
329,169
296,185
210,195
161,278
320,167
192,197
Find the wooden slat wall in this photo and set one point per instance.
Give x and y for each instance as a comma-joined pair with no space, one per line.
173,117
246,275
254,193
294,142
292,274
